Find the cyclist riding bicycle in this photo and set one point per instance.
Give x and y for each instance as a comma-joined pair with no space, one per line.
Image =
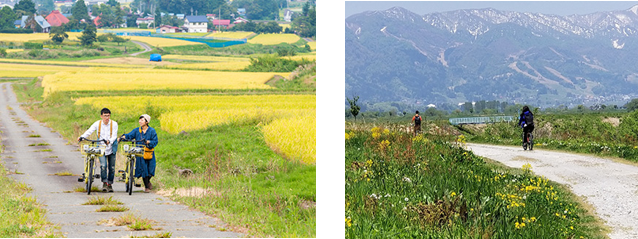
526,121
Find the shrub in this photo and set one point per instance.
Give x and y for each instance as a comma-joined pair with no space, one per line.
33,45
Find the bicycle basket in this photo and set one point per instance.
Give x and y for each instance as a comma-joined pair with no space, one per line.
131,148
92,148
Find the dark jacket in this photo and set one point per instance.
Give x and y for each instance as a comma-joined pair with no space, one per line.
522,120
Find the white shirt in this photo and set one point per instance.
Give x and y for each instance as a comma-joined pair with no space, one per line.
105,133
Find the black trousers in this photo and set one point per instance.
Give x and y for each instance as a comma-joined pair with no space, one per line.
147,182
526,130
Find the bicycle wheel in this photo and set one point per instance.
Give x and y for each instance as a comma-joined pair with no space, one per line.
89,178
131,169
531,141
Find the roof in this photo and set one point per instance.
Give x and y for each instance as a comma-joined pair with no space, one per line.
17,22
96,21
196,19
56,19
221,22
167,26
39,19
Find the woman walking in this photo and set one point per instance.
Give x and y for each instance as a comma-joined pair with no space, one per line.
145,166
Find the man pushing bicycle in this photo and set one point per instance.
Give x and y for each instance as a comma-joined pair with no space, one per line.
107,130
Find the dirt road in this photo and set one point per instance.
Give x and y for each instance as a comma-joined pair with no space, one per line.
143,45
65,206
609,186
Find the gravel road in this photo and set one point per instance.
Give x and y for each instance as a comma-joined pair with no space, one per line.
143,45
56,192
610,187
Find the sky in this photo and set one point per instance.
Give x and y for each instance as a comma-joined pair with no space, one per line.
549,7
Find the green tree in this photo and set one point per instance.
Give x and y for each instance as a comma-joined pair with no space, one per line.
305,26
158,19
7,17
57,34
632,105
354,108
79,11
24,7
112,3
118,40
88,36
258,9
45,6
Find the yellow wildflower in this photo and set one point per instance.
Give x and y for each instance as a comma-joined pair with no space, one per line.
348,222
386,131
527,167
452,194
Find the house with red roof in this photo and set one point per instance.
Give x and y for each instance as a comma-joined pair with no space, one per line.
221,23
56,19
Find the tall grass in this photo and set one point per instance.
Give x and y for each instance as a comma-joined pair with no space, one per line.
399,186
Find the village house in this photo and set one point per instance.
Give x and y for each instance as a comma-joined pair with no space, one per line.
46,27
220,23
144,20
239,20
288,15
56,19
210,16
196,23
167,29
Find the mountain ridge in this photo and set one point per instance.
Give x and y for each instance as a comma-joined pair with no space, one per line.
487,54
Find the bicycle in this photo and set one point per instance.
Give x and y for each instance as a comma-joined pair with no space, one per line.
91,149
131,149
530,141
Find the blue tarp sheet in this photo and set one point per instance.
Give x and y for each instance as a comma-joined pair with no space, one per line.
156,57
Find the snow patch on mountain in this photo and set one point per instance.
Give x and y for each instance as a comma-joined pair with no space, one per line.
617,45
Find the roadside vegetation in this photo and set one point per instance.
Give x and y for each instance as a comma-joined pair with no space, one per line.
608,134
429,186
22,216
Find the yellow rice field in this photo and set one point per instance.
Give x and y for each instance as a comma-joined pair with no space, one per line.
10,37
26,70
67,63
14,50
236,35
273,39
134,104
205,58
299,57
294,137
222,66
313,45
288,121
94,79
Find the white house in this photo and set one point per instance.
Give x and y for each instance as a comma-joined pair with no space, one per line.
145,20
196,23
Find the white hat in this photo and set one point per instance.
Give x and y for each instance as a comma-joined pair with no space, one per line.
146,117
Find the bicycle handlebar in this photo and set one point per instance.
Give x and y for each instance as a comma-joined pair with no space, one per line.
92,141
123,138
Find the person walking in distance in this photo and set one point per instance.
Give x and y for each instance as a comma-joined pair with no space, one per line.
416,120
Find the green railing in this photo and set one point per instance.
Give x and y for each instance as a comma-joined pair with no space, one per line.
481,120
